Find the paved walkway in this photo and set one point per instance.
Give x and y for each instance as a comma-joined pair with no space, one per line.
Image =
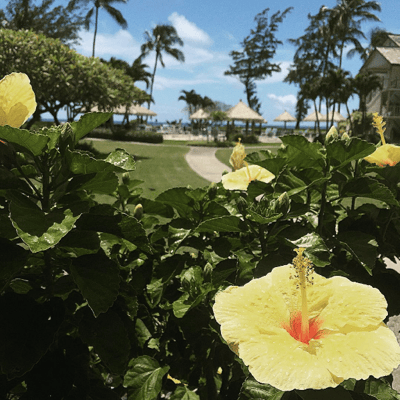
203,161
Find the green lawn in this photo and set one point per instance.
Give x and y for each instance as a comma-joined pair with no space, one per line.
161,167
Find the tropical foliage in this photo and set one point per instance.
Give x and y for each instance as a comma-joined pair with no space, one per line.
317,63
63,78
57,22
115,300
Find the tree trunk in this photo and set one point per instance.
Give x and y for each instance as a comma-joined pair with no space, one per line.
95,30
152,80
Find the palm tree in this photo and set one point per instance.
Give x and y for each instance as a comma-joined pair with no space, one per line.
347,17
377,37
364,83
137,71
161,39
192,100
114,13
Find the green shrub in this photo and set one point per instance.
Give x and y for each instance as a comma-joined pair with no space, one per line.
121,134
100,303
246,139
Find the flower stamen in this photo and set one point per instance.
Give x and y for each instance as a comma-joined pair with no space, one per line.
303,267
379,125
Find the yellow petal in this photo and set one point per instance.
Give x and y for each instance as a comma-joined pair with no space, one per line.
361,354
240,179
285,364
17,100
387,154
349,304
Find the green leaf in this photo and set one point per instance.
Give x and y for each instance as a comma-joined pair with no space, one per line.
157,208
40,230
53,133
142,333
33,142
380,389
178,199
183,393
122,159
327,394
253,390
83,163
341,152
145,378
362,246
274,164
109,337
97,278
102,182
87,123
301,153
27,331
369,188
80,242
254,216
102,219
228,223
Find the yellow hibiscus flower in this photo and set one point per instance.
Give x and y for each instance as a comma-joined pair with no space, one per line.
296,329
386,154
240,179
17,100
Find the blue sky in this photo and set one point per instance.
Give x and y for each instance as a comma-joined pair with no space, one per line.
211,29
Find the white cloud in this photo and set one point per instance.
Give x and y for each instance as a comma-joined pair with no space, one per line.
120,44
286,101
188,31
278,76
161,82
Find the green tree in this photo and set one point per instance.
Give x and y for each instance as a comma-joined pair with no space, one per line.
138,72
61,77
113,12
192,99
346,18
161,39
57,22
364,83
253,62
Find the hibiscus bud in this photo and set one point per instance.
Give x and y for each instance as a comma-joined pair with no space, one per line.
345,136
282,204
126,178
138,211
241,205
332,135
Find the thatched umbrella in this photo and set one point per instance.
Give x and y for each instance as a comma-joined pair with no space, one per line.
200,114
241,112
315,117
337,117
285,117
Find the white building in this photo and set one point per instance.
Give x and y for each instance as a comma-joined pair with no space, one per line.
385,62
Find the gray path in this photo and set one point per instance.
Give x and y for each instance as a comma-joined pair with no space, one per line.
203,161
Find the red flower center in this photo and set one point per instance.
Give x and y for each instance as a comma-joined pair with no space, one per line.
387,162
295,331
